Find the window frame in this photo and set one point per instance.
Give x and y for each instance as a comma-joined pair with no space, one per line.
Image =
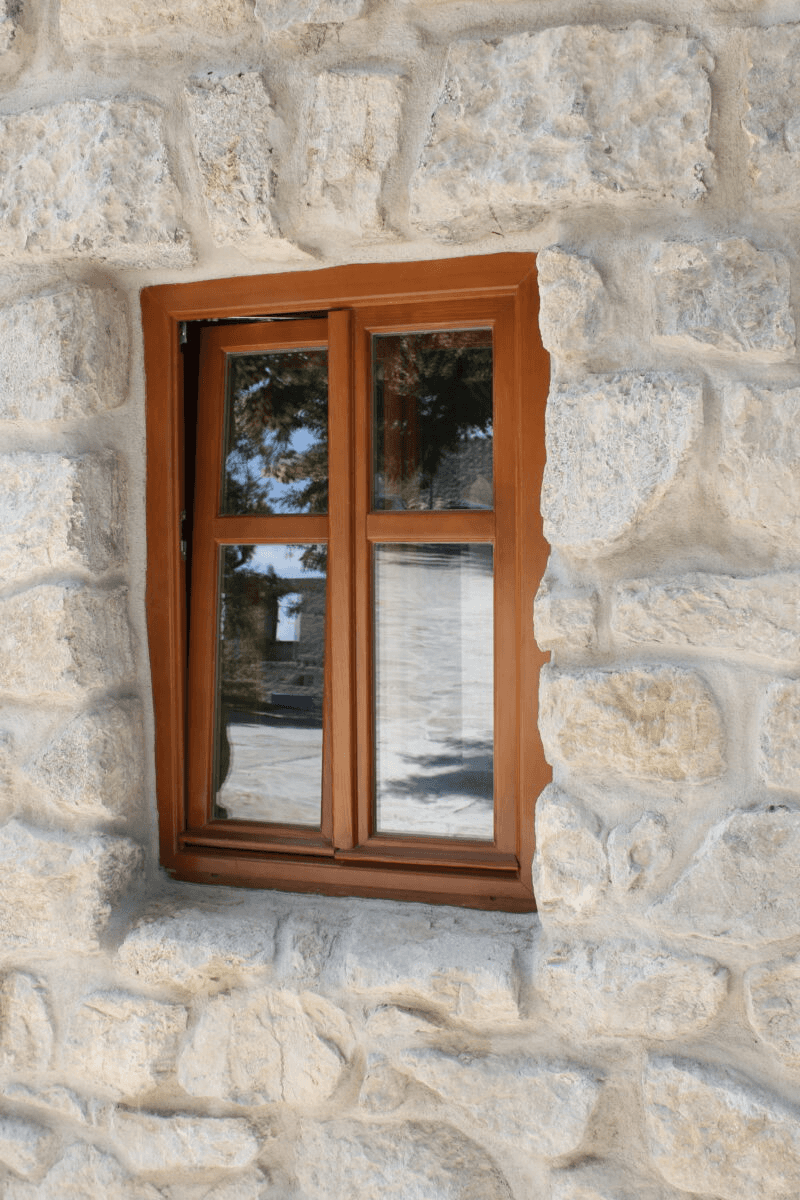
359,300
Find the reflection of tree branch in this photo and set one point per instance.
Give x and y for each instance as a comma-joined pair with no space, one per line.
467,771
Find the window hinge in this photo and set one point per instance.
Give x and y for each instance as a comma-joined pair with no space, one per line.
183,335
181,519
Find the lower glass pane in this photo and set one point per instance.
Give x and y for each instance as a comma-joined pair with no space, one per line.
434,690
270,673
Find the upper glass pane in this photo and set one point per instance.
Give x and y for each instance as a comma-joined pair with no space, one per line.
275,452
432,396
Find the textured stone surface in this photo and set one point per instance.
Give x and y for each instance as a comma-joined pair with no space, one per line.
58,890
654,722
10,14
569,115
570,869
82,1172
756,615
106,194
252,1186
122,1042
625,989
599,1180
779,760
196,946
94,766
638,853
772,994
770,121
565,620
26,1027
275,15
615,445
63,641
233,129
60,514
710,1132
259,1050
740,883
724,294
346,158
183,1145
63,354
24,1147
83,21
53,1099
545,1107
573,303
410,1161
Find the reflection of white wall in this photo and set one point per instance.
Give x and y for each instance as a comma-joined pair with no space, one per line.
288,628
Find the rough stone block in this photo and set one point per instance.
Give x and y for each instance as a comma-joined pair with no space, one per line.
639,853
572,115
82,1172
25,1148
772,995
105,193
770,122
615,445
26,1027
121,1042
655,722
64,641
251,1186
63,354
275,15
259,1049
346,158
55,1100
625,989
542,1106
599,1180
58,890
570,870
234,129
724,294
573,303
779,759
85,22
10,17
95,765
757,615
180,1145
60,514
740,885
565,620
710,1132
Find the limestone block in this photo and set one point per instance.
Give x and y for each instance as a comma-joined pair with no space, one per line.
565,620
233,129
757,481
275,15
26,1027
409,1161
61,642
573,303
754,615
773,102
346,157
10,15
625,989
90,179
543,1106
710,1132
58,889
24,1147
63,354
598,1180
198,946
779,760
655,722
740,884
571,115
383,1089
724,294
259,1049
615,445
639,853
60,513
772,994
570,869
252,1186
122,1042
181,1144
82,1172
85,22
54,1099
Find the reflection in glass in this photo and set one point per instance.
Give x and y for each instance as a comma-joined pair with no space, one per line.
434,685
275,454
433,419
270,670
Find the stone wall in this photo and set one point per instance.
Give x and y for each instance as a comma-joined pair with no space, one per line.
639,1039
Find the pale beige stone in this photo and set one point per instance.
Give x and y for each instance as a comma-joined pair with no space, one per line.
100,21
60,513
61,642
711,1132
779,745
574,304
275,15
26,1027
83,1173
615,446
152,1144
10,20
565,619
570,115
570,869
772,994
770,120
58,889
24,1147
384,1089
728,295
626,989
639,853
89,179
605,1180
543,1106
655,722
252,1186
53,1099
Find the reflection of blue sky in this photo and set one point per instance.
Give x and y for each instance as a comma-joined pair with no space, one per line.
285,561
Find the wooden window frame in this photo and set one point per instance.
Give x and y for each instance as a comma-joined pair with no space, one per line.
359,300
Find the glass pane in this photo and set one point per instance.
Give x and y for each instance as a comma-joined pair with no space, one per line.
434,683
270,671
275,455
433,419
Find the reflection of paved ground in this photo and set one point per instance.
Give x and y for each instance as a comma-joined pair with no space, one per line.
274,774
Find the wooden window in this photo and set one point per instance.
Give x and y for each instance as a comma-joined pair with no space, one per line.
344,543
